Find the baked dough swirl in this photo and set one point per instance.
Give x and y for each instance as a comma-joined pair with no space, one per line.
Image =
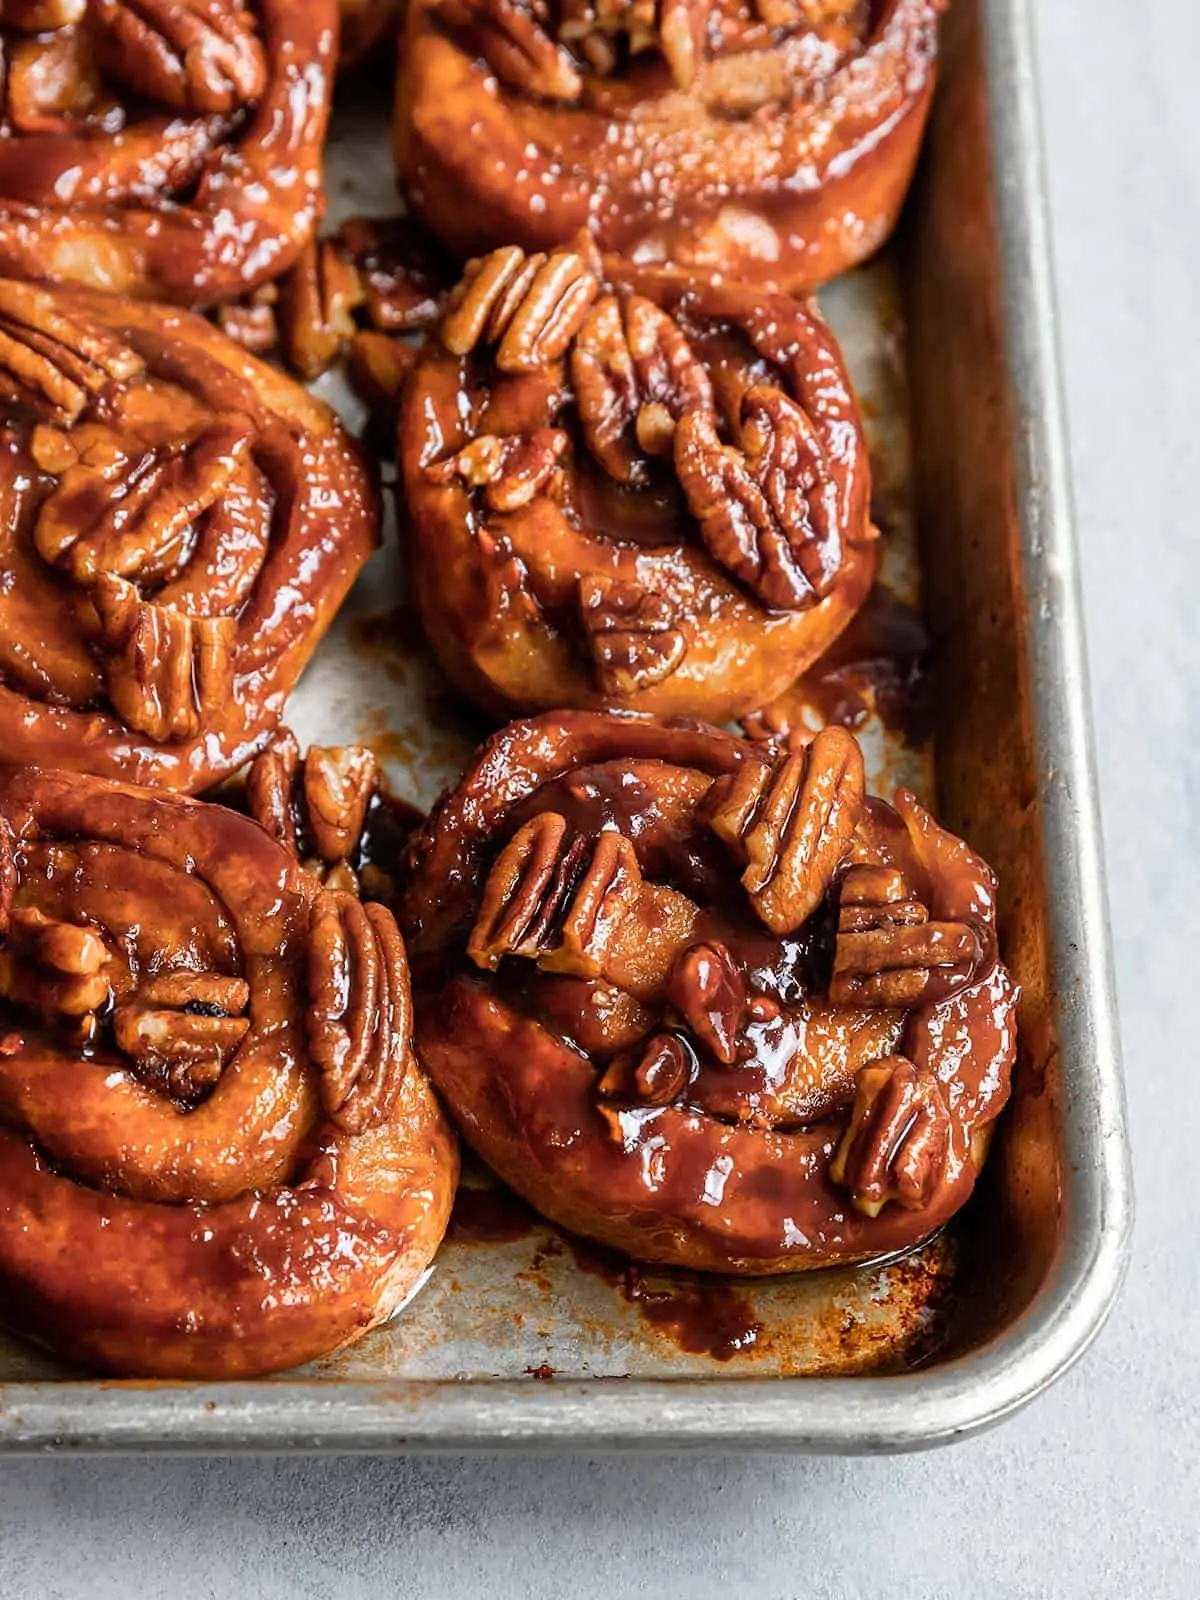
768,140
178,525
631,488
217,1155
707,1004
168,148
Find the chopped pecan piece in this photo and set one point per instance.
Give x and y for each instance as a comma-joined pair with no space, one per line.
317,805
630,633
513,37
200,56
676,28
635,376
791,821
360,1009
317,300
531,307
54,966
126,509
767,509
511,471
182,1030
709,992
897,1143
49,362
655,1073
165,671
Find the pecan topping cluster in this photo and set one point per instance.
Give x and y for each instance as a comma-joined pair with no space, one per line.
315,806
199,56
360,1009
182,1028
675,28
52,364
529,306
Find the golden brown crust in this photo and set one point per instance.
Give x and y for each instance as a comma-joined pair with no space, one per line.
637,489
262,1208
165,149
667,1074
781,135
180,525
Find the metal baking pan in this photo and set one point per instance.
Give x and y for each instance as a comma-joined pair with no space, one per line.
522,1337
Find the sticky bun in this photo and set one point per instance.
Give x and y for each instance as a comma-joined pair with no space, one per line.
706,1003
217,1155
180,524
631,488
769,140
170,148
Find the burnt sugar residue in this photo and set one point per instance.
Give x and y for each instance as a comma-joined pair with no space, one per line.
701,1316
882,659
390,637
491,1215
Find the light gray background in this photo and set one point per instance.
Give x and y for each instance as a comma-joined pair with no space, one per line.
1096,1489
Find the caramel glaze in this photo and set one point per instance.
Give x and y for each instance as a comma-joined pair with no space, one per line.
784,159
223,512
172,202
243,1235
365,24
729,1171
514,601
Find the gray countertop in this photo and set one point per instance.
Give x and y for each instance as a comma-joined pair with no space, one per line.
1092,1491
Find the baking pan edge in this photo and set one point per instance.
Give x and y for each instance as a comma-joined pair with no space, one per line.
845,1415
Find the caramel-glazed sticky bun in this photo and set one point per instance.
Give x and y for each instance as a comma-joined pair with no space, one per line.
769,140
705,1004
217,1155
631,488
162,147
178,525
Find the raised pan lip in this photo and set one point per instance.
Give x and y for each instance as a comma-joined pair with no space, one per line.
835,1415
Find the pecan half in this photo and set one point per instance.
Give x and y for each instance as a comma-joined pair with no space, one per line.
129,510
552,899
676,28
904,964
634,375
513,37
766,509
709,992
165,671
511,471
630,633
655,1073
316,805
50,363
360,1009
897,1144
791,822
200,56
54,966
530,306
317,300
